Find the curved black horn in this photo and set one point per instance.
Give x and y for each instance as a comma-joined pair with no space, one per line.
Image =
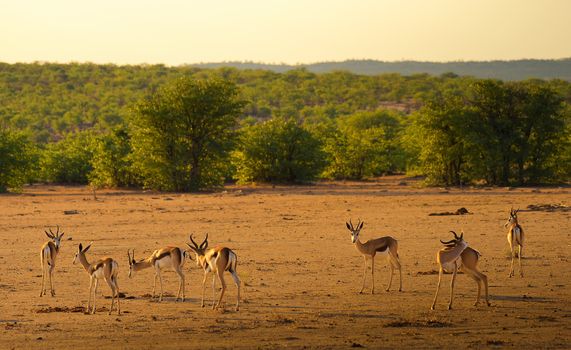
462,235
352,228
193,242
455,235
205,242
448,242
57,233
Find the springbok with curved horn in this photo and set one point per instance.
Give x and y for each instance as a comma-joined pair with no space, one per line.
216,260
515,239
457,254
48,255
383,245
106,269
168,257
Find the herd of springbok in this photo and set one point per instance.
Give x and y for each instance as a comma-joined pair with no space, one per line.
456,254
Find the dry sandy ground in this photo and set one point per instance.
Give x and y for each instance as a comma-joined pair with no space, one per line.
300,272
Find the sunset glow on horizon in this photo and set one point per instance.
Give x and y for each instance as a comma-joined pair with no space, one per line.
179,32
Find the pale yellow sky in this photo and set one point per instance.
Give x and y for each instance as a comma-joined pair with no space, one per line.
290,31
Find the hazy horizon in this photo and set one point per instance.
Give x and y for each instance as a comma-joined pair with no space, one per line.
292,32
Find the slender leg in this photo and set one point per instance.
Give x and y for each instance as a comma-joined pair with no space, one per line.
204,286
51,271
476,278
89,298
154,285
161,283
237,282
437,288
112,286
519,261
117,291
391,276
364,274
43,277
223,283
213,290
95,295
484,279
181,275
373,275
512,256
452,285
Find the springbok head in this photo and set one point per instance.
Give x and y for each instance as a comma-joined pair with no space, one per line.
199,250
81,252
354,230
512,219
55,237
457,240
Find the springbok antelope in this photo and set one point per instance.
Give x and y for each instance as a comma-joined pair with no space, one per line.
455,254
106,269
383,245
515,239
216,260
172,257
48,255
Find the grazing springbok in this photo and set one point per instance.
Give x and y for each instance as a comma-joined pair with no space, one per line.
384,245
456,254
515,239
216,260
106,269
168,257
48,255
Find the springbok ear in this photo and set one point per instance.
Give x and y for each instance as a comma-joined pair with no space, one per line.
80,247
86,248
49,236
346,223
191,247
462,235
361,225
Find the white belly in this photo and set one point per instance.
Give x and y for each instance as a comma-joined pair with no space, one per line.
99,273
165,262
449,267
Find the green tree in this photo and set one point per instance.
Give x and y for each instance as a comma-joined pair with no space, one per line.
111,162
17,158
182,134
277,150
68,160
364,144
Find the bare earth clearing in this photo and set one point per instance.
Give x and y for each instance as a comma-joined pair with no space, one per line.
300,272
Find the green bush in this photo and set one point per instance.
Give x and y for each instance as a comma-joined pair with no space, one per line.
69,160
278,150
17,159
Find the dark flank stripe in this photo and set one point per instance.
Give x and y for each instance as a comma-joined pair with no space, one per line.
162,255
383,248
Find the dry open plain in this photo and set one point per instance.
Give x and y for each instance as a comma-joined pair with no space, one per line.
300,272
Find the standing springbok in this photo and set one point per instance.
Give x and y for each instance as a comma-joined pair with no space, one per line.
172,257
515,238
106,269
383,245
216,260
454,255
48,255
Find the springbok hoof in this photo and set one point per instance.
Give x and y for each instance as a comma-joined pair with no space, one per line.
449,307
432,307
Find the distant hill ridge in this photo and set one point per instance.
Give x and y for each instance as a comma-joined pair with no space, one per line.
504,70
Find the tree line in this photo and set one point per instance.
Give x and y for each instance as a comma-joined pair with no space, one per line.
189,129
